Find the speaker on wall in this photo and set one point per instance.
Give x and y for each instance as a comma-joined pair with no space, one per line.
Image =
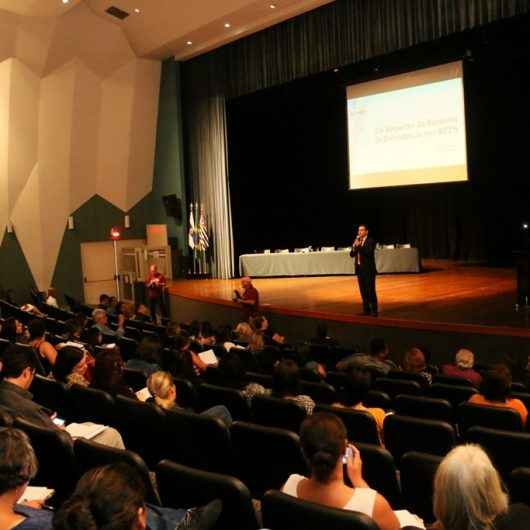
173,206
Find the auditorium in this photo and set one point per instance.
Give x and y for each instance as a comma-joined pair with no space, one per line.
264,265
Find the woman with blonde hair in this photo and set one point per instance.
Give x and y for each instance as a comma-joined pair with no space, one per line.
468,494
164,391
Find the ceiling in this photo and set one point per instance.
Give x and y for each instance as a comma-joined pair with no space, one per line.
163,28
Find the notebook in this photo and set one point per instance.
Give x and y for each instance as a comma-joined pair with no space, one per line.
34,493
86,430
208,357
144,394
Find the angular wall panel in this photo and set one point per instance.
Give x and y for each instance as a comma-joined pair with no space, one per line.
5,100
8,31
33,40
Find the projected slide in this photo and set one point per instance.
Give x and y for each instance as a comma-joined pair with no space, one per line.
408,129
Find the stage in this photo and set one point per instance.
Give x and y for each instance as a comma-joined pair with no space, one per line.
463,303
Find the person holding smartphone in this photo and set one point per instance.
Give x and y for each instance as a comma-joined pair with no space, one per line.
333,462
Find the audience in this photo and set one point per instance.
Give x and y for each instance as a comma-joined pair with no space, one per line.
104,302
182,362
18,466
51,299
18,371
162,387
415,362
469,495
112,308
243,332
377,360
101,321
354,393
14,331
147,358
142,313
74,330
463,367
113,498
324,444
495,391
108,373
71,367
286,385
204,338
44,350
249,299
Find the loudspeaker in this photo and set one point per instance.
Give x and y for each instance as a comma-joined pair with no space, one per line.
173,206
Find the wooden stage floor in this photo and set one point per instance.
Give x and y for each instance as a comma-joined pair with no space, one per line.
446,296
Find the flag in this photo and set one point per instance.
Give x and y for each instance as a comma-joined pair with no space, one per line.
191,233
204,241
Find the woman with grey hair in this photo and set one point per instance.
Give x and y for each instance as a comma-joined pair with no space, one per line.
469,495
18,465
463,367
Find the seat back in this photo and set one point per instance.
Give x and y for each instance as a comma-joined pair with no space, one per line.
90,454
181,486
55,455
452,393
277,412
377,399
263,379
379,470
393,387
338,380
361,425
320,392
417,472
52,395
470,415
134,378
142,428
127,347
91,404
266,456
284,512
404,433
186,394
199,441
424,407
407,376
233,400
519,485
451,380
507,449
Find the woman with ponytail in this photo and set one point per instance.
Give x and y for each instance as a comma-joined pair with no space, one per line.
333,463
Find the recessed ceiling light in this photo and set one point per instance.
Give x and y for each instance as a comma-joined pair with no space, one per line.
272,6
189,43
137,11
66,1
228,25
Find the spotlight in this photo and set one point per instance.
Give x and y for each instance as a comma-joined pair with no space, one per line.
272,6
189,43
65,1
137,10
524,226
228,25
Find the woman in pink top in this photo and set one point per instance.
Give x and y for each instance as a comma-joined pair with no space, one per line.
324,443
463,367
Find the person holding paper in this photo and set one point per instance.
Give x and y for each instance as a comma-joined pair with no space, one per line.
249,299
363,254
155,284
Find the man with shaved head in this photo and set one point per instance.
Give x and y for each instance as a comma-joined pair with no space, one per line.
249,300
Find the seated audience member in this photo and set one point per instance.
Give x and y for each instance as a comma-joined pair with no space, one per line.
73,330
286,385
232,375
113,498
162,387
142,313
71,367
182,362
147,358
463,367
104,301
324,444
14,331
224,337
355,390
113,306
204,338
173,330
469,495
415,362
314,371
94,338
377,360
51,299
18,466
243,332
18,371
108,373
101,321
495,391
45,351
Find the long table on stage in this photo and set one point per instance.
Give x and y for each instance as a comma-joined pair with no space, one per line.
388,260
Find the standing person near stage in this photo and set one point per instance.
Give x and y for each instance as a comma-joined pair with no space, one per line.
155,284
363,254
249,299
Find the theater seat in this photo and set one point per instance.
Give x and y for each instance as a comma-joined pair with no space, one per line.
451,380
452,393
361,425
404,433
134,378
184,487
407,376
393,387
265,456
211,395
91,404
519,485
90,454
470,415
320,392
52,395
284,512
377,399
424,407
186,394
417,478
276,412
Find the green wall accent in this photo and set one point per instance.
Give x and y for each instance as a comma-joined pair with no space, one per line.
93,220
14,270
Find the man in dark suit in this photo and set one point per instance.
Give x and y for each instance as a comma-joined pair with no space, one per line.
363,254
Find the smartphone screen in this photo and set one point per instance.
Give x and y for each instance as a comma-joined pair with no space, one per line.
347,455
58,421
